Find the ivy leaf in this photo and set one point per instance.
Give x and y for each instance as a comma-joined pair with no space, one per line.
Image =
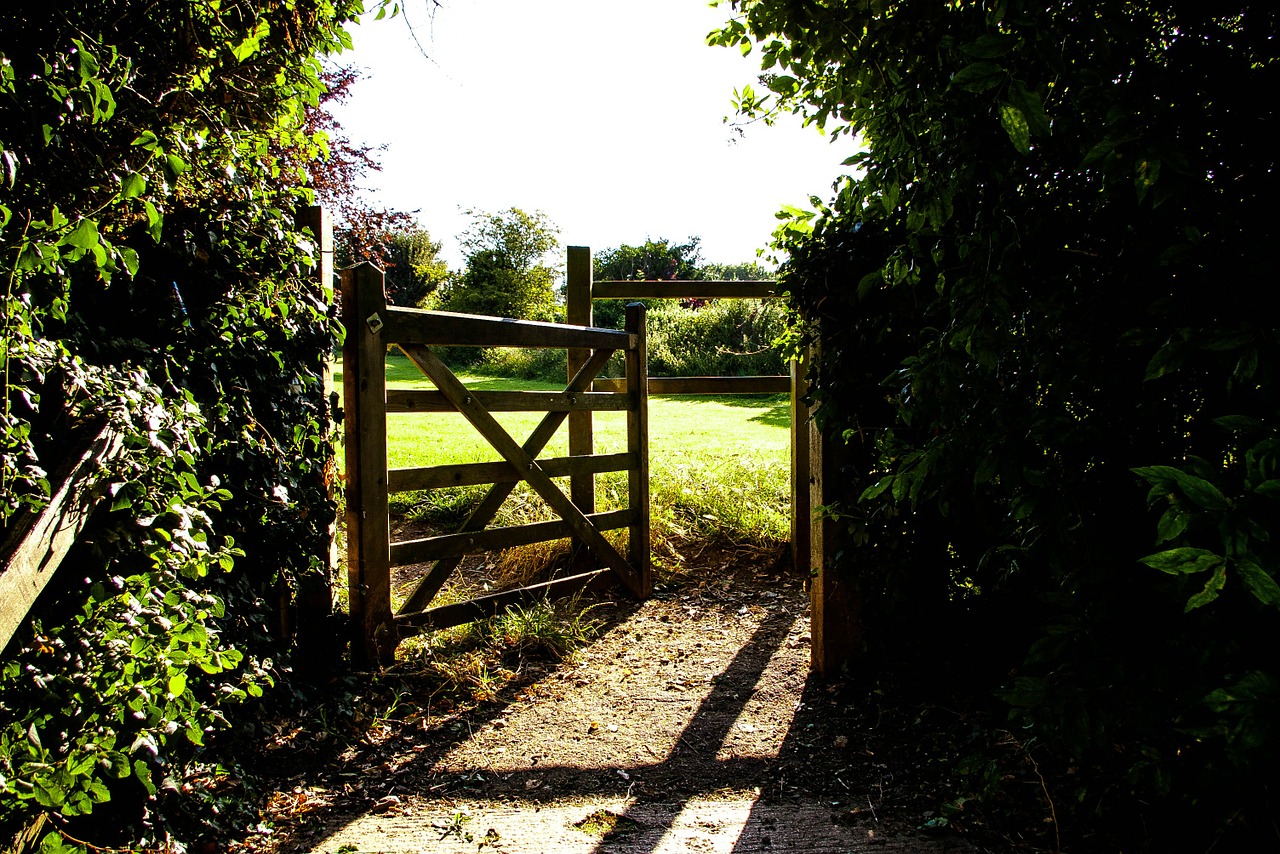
1183,561
1015,124
132,186
83,236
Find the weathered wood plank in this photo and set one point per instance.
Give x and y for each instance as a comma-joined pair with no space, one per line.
638,448
484,422
431,583
582,489
704,385
37,544
368,530
487,606
474,474
446,329
663,289
492,539
414,400
835,605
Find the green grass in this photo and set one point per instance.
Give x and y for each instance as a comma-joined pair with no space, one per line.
718,464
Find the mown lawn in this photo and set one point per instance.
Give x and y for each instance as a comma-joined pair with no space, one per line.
718,463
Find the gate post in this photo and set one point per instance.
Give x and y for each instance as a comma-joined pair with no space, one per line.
314,604
582,487
835,603
638,447
364,308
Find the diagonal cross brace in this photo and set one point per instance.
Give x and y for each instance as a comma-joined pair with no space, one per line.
480,417
488,508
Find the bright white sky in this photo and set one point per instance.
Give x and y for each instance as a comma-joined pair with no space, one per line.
605,115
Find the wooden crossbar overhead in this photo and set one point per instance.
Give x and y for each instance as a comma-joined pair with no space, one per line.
371,327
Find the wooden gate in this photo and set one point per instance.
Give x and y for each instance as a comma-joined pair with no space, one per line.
372,326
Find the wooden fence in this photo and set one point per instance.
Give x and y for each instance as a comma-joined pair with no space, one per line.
371,326
37,542
581,290
816,459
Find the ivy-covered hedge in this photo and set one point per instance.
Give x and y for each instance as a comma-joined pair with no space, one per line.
1040,308
152,166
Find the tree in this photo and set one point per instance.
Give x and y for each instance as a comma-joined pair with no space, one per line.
746,271
1038,312
654,259
413,270
508,273
361,228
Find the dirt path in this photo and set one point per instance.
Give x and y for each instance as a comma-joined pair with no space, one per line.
690,724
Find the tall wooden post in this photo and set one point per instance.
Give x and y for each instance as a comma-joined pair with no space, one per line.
364,307
835,604
638,447
317,651
582,487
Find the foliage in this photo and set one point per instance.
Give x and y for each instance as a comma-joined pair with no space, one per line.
730,337
154,156
413,270
1035,302
508,273
361,229
746,271
654,259
659,259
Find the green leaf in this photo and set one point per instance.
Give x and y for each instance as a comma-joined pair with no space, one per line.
1172,524
1032,108
1015,125
1201,491
979,77
1259,582
1183,561
1238,423
989,46
876,488
83,236
1212,588
177,684
1269,488
148,140
1145,175
132,186
249,46
155,221
784,84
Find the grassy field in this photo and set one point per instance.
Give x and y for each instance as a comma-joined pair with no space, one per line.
719,464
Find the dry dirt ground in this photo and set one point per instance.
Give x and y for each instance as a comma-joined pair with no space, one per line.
691,723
